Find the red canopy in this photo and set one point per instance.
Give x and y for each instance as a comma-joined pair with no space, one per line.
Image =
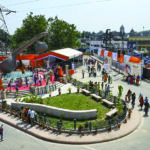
134,59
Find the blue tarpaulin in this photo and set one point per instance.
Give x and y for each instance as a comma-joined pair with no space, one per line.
147,60
137,54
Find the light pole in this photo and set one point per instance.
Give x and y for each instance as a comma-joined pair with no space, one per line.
122,33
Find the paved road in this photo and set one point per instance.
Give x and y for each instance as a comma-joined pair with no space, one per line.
138,140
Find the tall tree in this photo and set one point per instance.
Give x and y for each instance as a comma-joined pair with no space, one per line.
32,26
62,34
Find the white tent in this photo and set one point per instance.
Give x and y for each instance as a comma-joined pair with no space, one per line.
68,52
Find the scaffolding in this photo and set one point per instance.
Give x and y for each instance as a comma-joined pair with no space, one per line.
4,33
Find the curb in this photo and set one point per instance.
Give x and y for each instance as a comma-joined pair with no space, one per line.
69,142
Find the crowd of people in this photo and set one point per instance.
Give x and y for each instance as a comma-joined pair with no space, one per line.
132,79
131,97
28,115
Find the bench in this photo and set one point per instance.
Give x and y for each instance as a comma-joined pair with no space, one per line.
112,112
96,96
108,102
86,92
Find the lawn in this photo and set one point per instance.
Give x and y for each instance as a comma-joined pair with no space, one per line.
74,101
77,101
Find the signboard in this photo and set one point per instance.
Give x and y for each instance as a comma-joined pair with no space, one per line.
107,67
131,45
133,69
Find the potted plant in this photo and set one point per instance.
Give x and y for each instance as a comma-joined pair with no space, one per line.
110,128
80,127
83,85
59,91
68,79
53,130
69,89
4,104
95,131
125,120
129,113
78,89
119,125
70,132
73,81
82,133
50,93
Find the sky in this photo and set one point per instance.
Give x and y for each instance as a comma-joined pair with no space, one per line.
87,15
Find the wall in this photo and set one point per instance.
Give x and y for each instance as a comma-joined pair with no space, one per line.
58,112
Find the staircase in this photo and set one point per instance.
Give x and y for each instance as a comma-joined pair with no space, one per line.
12,94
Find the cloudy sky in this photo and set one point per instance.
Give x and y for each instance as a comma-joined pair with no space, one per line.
87,15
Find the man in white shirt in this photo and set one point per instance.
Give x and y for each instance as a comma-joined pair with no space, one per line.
32,116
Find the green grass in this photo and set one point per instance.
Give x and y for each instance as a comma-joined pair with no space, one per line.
77,101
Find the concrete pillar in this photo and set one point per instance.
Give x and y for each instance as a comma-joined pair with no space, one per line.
66,69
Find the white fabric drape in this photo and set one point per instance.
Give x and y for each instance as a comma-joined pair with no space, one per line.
99,51
114,56
126,58
105,53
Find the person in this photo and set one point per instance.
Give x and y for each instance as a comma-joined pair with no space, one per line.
29,111
40,80
109,78
1,132
9,85
105,77
125,98
146,107
89,68
35,78
102,77
17,89
141,100
26,80
133,100
128,80
32,116
108,89
99,67
83,74
90,73
146,100
102,84
134,79
129,93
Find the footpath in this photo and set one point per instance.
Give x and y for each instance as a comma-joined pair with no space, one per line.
47,135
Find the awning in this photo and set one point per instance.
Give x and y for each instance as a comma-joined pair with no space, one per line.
66,53
134,60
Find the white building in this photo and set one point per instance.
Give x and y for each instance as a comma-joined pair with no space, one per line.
95,45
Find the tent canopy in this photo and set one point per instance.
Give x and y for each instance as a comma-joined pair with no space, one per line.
67,52
134,60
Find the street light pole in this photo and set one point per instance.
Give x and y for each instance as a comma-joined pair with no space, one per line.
122,33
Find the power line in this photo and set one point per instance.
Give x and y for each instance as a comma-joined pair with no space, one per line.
21,3
69,5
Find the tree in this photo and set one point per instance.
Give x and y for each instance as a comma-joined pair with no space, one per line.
62,34
4,38
32,26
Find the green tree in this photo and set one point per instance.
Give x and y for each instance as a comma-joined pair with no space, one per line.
4,38
32,26
62,34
